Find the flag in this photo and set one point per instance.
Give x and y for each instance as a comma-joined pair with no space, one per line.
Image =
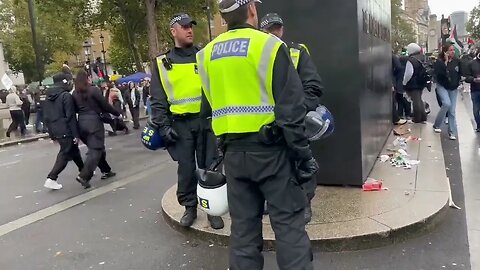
470,42
456,43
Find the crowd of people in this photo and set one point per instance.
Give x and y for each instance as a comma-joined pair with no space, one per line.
448,72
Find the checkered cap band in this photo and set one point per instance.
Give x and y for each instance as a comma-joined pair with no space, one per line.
270,19
239,110
237,4
178,18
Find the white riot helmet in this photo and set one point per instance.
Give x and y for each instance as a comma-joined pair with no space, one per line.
212,191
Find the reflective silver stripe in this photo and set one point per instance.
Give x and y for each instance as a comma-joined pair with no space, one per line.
263,69
164,78
202,71
185,100
239,110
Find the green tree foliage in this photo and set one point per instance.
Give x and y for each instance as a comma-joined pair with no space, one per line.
127,20
473,25
402,32
57,31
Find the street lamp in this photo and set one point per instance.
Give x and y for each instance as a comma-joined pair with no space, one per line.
102,41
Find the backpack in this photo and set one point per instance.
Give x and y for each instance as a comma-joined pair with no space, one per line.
424,77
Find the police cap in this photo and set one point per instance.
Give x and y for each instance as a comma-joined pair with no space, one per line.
270,19
232,5
183,19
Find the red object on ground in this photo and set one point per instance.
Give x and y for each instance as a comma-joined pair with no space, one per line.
372,186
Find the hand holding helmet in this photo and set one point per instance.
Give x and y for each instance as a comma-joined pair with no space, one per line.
169,135
319,124
151,137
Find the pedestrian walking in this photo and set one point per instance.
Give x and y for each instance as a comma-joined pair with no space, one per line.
39,99
91,108
15,107
415,80
258,111
312,84
447,70
133,98
176,99
473,77
61,120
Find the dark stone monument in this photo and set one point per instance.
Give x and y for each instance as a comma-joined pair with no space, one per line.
350,44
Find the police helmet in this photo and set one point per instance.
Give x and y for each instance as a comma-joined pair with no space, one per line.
319,124
151,139
212,192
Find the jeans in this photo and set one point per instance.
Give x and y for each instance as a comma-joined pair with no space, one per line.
39,125
449,103
476,107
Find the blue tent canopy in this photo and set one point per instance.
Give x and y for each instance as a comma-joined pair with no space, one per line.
136,78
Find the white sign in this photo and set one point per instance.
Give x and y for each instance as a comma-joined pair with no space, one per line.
7,82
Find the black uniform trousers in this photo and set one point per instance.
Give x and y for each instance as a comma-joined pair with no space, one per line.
92,133
195,143
256,174
404,106
68,151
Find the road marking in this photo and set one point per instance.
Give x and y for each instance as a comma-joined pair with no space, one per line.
59,207
10,163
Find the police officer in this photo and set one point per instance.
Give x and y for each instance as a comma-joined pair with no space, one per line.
258,111
312,83
176,98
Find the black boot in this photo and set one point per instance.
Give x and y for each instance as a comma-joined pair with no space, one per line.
215,222
108,175
84,183
189,216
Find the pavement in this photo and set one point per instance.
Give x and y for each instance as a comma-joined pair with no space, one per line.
119,223
347,218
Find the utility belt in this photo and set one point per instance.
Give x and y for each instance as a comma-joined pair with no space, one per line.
269,138
185,116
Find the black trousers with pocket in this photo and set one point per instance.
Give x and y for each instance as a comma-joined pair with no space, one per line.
18,120
254,176
195,147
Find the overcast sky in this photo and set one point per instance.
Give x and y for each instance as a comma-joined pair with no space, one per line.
446,7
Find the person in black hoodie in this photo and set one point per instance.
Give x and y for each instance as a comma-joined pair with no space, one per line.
447,72
91,107
473,77
60,119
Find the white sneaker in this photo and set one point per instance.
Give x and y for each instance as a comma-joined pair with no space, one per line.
51,184
453,138
437,130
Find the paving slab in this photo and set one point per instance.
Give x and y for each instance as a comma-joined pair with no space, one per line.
347,218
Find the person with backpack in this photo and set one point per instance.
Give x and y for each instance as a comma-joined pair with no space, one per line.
415,79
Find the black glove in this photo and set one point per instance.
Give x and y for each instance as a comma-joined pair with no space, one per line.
306,169
168,135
